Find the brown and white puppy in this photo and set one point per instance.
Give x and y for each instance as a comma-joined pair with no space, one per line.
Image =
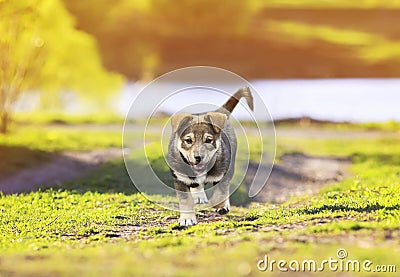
202,150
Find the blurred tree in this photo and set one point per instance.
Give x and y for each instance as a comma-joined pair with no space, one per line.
41,50
125,32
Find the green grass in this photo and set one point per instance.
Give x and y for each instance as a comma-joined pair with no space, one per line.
32,145
42,118
98,226
61,138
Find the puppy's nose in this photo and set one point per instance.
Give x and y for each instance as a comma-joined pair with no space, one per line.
197,159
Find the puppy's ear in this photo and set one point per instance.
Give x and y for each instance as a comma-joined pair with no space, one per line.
178,118
217,120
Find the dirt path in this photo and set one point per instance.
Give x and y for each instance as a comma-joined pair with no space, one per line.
299,174
296,174
64,167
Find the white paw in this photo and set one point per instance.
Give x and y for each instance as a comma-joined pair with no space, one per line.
199,196
187,219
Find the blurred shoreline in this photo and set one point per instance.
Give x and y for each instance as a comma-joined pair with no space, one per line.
334,100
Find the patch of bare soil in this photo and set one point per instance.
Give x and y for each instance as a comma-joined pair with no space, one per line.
294,175
64,167
299,174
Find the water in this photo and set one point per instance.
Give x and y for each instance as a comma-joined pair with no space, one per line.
355,100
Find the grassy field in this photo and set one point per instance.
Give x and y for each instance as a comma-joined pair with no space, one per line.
99,226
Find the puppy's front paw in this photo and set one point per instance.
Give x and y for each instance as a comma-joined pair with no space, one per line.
200,199
187,219
199,196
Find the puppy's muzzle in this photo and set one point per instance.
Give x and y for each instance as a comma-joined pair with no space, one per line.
197,159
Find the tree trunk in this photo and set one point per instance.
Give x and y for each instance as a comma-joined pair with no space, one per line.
4,123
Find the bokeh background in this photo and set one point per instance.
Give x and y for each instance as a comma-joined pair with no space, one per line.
256,39
91,57
328,70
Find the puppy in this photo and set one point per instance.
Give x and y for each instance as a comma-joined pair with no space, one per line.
202,149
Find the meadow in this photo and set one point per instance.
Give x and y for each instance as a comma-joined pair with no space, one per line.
79,52
99,225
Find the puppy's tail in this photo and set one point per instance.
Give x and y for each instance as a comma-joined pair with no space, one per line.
229,105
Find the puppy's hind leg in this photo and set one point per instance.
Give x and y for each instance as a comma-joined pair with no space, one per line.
186,205
220,197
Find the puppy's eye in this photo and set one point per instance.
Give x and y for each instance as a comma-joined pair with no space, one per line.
209,140
189,141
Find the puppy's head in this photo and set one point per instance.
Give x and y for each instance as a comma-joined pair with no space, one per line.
199,137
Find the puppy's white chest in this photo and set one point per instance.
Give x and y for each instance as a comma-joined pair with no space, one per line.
187,180
214,179
200,179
